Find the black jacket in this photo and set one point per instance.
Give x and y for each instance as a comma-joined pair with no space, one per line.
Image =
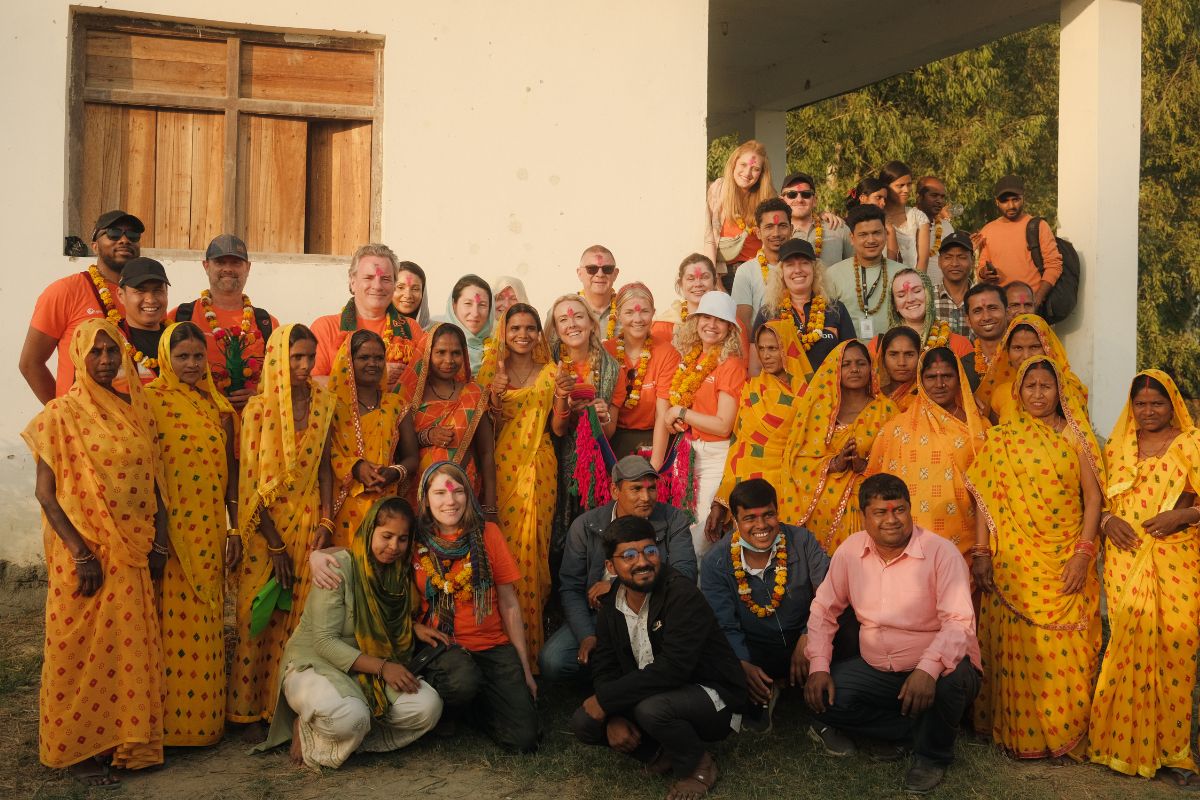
689,647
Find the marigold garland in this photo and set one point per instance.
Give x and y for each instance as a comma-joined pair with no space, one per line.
635,391
612,315
741,223
110,308
743,583
588,367
397,348
458,584
858,287
683,312
981,358
763,265
939,334
815,323
236,342
691,373
935,244
141,358
818,236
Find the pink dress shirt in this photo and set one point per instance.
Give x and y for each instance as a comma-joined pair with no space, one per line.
915,612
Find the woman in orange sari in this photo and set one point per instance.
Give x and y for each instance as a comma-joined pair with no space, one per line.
196,430
522,390
840,415
1038,483
373,445
449,412
1027,335
285,498
930,446
106,539
896,358
1142,711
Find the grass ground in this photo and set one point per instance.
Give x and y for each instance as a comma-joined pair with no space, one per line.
782,765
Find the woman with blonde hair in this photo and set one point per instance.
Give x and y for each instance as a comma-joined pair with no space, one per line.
696,410
910,303
730,235
644,360
696,277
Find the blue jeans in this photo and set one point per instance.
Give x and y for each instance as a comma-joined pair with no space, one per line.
558,660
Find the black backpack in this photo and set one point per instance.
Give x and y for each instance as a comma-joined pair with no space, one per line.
1060,301
261,318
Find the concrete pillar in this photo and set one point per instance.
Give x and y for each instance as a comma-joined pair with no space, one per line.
770,128
1099,161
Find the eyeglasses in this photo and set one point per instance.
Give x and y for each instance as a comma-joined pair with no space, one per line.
630,555
792,194
116,233
609,269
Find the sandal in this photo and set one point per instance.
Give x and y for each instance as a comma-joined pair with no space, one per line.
696,785
94,774
1183,779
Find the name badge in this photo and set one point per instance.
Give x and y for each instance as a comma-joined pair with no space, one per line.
867,329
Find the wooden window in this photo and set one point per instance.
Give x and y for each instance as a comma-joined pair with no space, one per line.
199,128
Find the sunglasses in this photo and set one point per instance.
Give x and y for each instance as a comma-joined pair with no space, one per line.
630,555
792,194
116,233
609,269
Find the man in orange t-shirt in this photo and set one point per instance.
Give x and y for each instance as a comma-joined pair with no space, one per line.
373,272
69,301
1004,255
236,330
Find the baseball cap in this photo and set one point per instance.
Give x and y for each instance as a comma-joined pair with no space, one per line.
797,247
799,177
140,270
110,218
719,305
958,239
226,245
631,468
1009,184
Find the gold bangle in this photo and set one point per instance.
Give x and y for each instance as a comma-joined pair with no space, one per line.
277,550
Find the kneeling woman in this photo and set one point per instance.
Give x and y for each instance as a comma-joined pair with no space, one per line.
345,679
466,578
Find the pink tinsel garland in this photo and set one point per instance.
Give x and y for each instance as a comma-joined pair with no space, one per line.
590,472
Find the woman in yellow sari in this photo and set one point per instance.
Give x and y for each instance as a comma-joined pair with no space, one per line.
930,446
371,430
1038,483
1027,335
1142,711
522,385
840,415
196,430
766,411
896,357
100,699
285,498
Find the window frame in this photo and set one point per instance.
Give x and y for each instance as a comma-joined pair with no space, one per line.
84,19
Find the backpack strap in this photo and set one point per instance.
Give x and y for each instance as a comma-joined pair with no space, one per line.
1034,243
184,312
263,320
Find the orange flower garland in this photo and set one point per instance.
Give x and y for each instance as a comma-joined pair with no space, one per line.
612,314
396,348
244,335
110,308
981,358
762,264
690,373
570,365
935,244
635,391
818,236
939,334
743,584
458,584
749,229
141,358
815,323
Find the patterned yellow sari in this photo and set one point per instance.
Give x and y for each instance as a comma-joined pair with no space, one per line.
372,436
192,447
1039,647
812,496
101,684
1142,711
930,449
279,472
995,388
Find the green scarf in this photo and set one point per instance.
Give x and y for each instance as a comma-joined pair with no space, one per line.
348,320
383,598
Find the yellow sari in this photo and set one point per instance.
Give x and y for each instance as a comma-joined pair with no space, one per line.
372,436
101,684
995,388
526,490
930,449
765,414
1142,711
278,472
1040,648
812,496
192,447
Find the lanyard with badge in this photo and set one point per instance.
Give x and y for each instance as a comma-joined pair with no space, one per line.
860,278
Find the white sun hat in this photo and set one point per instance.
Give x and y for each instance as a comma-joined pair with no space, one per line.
719,305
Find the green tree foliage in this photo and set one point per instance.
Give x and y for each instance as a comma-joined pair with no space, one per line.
992,111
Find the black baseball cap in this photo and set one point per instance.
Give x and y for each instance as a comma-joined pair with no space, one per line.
799,177
1009,184
226,245
797,247
110,218
138,271
958,239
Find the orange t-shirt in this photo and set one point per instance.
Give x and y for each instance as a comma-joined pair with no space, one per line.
468,633
59,310
728,377
663,360
230,319
329,333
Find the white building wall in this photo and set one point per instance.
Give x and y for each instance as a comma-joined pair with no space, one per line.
514,135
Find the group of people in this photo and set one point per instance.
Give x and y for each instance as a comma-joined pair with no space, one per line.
848,457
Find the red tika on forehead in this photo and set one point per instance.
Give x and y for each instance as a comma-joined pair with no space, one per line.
777,219
699,272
